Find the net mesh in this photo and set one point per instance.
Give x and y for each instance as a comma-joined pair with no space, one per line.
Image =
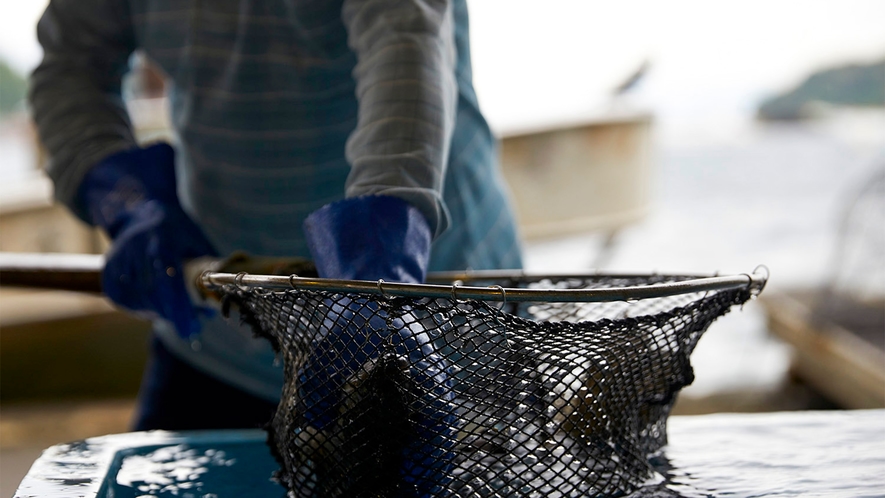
393,397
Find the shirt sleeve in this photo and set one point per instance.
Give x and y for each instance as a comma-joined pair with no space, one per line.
75,91
407,94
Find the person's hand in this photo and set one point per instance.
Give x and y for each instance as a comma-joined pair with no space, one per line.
371,238
132,195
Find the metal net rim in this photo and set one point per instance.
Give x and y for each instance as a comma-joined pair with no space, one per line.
754,282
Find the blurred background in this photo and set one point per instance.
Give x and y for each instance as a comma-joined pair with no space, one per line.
685,136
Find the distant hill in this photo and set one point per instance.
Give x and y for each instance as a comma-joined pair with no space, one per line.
851,85
13,89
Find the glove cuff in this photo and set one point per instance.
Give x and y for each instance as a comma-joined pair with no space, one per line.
124,181
369,238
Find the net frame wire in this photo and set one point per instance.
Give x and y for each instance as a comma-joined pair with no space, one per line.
753,282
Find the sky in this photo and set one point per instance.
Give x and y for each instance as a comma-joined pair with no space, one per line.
707,58
557,59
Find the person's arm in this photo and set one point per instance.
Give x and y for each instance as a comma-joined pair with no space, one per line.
75,92
407,96
97,167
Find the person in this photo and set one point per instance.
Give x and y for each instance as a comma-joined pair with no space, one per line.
345,131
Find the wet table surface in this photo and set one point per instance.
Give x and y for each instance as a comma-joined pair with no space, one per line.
838,453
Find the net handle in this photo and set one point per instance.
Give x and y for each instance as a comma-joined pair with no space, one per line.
754,282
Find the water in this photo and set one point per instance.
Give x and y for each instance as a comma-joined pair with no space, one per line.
805,454
779,455
210,464
195,470
751,193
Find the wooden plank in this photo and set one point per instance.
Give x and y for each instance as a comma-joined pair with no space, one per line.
842,366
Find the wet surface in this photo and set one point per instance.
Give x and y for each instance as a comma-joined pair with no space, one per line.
204,471
211,464
835,453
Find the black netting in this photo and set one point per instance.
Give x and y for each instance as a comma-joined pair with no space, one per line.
394,397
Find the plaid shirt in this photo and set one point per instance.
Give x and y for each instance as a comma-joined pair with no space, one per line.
280,107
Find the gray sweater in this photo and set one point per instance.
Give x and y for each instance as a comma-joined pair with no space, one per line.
280,107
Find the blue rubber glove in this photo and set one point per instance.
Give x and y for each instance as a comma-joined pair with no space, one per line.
132,195
371,238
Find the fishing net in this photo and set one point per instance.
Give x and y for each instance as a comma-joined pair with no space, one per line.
390,396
